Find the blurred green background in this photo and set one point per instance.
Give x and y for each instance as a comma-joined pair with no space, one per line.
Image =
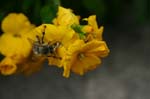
107,11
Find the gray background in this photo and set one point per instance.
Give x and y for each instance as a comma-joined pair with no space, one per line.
124,74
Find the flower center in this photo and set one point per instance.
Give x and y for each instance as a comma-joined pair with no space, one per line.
81,56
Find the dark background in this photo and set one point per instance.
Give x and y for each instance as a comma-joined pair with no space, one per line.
124,74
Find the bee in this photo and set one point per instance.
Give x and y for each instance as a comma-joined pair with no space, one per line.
47,49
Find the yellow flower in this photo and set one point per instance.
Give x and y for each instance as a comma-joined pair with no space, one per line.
62,34
11,45
79,48
65,17
7,66
95,31
16,23
53,33
81,57
58,33
16,49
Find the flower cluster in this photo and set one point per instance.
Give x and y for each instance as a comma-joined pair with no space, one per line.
66,44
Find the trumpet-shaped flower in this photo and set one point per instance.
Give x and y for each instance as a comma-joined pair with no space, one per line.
8,66
13,44
16,49
81,57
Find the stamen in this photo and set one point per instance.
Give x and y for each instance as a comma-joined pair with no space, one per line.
81,56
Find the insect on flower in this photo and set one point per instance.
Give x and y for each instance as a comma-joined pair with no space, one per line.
39,47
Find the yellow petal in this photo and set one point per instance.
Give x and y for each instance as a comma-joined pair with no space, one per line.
101,51
92,22
66,34
14,23
95,31
67,62
78,68
38,31
52,33
65,17
62,34
96,47
57,60
99,33
11,45
87,63
66,72
91,45
54,61
76,46
7,66
87,29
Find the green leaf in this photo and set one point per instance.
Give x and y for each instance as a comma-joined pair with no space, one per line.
27,4
2,15
96,6
140,10
48,14
49,11
53,2
36,11
78,29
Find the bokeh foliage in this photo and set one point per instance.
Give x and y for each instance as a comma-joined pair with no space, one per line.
38,11
108,11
